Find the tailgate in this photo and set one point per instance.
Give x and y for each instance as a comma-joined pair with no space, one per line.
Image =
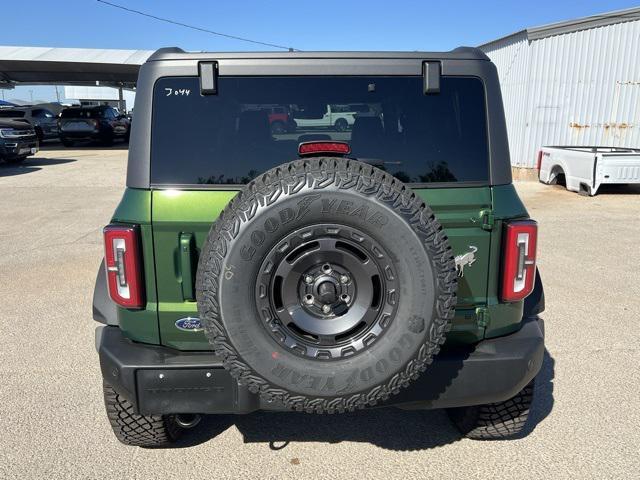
77,125
618,168
181,221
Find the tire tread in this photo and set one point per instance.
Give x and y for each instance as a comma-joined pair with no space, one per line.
494,421
135,429
317,174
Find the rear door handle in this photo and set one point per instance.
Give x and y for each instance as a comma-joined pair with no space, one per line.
186,265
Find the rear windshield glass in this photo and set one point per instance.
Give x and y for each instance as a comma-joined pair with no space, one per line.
11,113
80,113
256,123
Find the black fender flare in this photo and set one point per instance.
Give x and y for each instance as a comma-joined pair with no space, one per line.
104,309
534,303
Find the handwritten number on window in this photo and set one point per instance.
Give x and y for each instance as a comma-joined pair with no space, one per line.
178,92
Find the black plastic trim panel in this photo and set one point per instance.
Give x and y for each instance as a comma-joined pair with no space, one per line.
160,380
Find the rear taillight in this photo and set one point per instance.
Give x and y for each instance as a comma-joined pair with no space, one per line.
539,162
519,261
123,262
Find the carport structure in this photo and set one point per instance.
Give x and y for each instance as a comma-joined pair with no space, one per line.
70,66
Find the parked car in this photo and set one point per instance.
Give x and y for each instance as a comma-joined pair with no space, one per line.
104,124
18,140
234,282
586,169
43,120
337,117
280,120
278,116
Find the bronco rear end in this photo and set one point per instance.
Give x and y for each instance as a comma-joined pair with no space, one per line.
319,269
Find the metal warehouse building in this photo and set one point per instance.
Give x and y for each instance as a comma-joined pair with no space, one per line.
571,83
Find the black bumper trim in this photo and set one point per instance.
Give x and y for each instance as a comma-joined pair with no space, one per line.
493,371
160,380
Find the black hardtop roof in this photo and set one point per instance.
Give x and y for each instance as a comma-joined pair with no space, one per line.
174,62
175,53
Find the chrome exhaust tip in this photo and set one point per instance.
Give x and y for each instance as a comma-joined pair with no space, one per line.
188,420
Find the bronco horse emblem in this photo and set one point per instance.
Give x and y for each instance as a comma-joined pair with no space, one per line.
465,259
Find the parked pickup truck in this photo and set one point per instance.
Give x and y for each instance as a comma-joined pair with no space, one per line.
585,169
337,117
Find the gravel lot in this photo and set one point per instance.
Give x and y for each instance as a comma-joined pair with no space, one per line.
586,416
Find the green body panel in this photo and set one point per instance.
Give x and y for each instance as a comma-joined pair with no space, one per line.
504,318
193,211
176,212
134,206
175,223
458,211
140,325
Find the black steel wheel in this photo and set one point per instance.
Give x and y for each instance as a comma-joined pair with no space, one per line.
330,295
326,285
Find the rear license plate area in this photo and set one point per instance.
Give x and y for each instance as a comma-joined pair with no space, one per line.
201,390
77,127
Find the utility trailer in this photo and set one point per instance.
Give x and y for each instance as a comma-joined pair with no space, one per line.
585,169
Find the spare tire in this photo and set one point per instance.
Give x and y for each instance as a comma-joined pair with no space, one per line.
326,285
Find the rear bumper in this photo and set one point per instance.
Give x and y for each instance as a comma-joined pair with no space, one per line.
96,134
160,380
80,135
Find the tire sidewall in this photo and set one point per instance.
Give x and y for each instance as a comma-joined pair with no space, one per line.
277,367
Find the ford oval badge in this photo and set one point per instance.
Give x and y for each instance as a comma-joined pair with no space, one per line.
189,324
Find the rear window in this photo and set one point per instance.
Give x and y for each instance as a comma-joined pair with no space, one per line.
80,113
11,113
232,137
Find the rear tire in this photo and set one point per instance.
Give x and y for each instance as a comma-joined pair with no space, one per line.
66,142
138,430
494,421
341,125
278,128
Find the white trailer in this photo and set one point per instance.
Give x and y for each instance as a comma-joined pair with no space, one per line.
585,169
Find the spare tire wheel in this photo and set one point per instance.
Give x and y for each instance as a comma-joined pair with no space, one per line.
327,285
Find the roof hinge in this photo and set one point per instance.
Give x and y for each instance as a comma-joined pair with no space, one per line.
208,72
431,72
482,317
487,219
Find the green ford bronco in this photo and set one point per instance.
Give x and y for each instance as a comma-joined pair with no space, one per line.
318,268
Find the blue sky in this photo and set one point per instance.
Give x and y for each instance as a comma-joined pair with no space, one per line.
306,25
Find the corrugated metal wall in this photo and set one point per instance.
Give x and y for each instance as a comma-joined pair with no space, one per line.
511,57
578,88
